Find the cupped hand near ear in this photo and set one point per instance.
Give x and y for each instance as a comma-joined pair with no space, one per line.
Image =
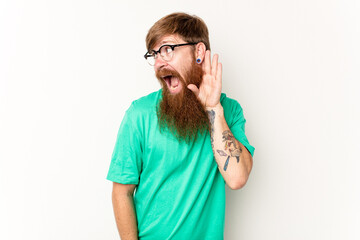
210,89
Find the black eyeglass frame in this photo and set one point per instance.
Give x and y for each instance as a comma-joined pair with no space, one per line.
147,54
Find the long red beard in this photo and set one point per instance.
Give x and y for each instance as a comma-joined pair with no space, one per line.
182,114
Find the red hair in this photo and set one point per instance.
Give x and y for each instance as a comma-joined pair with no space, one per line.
189,27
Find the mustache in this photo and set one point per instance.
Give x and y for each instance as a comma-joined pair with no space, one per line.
162,72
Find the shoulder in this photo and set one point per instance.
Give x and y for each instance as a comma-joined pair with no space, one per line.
233,111
146,103
229,104
141,111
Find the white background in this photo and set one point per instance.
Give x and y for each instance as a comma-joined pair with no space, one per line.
69,70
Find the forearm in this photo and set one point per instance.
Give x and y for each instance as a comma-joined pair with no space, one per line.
125,216
233,159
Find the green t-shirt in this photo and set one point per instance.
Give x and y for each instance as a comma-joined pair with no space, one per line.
180,192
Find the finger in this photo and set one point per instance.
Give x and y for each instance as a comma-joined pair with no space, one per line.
214,64
207,62
219,72
194,89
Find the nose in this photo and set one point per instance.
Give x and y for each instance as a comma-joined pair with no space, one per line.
159,62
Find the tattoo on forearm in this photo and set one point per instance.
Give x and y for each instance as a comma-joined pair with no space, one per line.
221,153
232,146
226,163
211,115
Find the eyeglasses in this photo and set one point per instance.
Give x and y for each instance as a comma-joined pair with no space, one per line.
166,52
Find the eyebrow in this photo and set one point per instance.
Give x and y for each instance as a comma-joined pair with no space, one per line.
167,41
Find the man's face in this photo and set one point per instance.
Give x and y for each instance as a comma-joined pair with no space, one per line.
179,110
173,73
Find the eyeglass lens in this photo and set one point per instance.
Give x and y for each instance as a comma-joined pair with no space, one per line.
166,53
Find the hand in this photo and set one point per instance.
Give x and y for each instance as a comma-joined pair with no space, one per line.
210,89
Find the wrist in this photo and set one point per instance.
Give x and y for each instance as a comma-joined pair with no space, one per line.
217,108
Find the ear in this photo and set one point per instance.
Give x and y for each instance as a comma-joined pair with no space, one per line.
200,51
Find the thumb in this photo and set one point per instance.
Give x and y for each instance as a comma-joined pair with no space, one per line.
194,89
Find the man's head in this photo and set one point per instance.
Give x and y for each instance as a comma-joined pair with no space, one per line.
189,28
174,43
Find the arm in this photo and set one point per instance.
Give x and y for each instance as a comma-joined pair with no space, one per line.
233,159
123,203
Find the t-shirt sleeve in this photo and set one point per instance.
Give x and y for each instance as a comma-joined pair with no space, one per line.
125,166
237,125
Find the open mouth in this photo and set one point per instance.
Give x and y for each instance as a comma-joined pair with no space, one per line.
171,81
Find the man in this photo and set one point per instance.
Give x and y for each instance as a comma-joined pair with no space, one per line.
180,145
